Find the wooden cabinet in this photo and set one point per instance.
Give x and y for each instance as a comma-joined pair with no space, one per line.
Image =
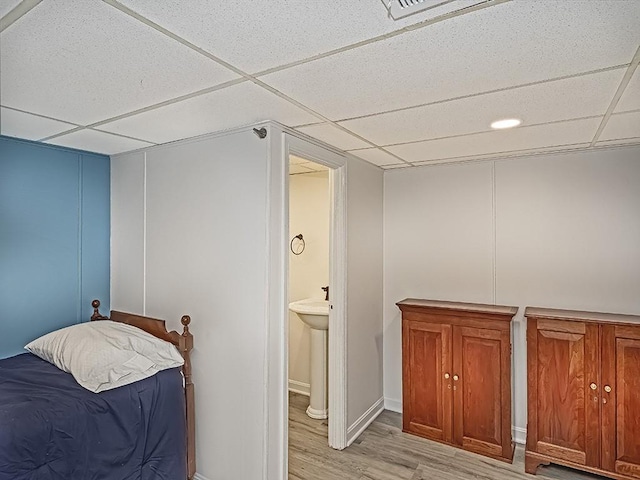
456,374
583,391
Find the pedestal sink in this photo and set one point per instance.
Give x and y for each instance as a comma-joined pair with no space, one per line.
315,313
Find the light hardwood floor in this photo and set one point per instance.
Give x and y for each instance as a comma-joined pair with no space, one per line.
383,452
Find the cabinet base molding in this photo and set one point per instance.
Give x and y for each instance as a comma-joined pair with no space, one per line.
534,460
469,448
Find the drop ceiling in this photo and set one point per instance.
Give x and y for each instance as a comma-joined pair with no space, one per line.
299,166
113,76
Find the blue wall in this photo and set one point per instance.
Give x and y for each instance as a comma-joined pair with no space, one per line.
54,239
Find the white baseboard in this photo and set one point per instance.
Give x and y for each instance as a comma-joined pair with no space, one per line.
299,387
393,405
519,435
197,476
364,421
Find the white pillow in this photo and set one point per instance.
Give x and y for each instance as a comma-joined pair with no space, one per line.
102,355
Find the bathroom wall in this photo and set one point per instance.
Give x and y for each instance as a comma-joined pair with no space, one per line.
560,231
54,239
197,228
189,236
309,204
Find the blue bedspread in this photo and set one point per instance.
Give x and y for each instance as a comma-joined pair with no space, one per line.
52,428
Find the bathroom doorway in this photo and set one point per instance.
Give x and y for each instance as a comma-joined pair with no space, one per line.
316,248
309,206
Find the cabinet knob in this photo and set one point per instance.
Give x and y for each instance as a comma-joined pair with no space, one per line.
607,388
446,375
455,377
593,386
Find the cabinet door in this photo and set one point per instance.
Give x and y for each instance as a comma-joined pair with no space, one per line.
621,400
426,392
482,391
564,390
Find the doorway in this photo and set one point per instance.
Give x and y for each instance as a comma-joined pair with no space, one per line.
309,288
335,165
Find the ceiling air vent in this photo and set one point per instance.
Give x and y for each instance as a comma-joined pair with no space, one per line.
402,8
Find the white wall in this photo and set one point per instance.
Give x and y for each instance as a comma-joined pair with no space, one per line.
364,292
309,204
203,246
198,229
559,231
127,232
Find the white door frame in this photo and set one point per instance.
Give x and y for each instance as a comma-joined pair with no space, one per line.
337,280
282,143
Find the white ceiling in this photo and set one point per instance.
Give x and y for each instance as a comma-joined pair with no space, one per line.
299,165
111,76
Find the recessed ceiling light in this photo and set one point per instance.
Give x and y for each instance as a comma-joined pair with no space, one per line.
506,123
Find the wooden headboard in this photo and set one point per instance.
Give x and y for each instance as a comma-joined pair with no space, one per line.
184,344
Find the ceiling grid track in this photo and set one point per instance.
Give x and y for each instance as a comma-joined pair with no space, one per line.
616,98
81,129
552,122
488,92
16,13
148,109
66,132
123,136
41,116
530,152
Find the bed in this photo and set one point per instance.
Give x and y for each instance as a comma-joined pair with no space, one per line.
52,428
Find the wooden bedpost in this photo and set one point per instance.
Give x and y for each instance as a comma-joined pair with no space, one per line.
187,346
184,344
96,313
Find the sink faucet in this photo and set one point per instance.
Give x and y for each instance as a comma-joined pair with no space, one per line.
326,291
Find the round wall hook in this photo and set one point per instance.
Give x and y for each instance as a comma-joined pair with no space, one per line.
297,244
260,132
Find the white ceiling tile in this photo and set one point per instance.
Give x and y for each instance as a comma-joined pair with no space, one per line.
297,169
242,104
622,125
630,99
84,62
275,33
333,136
316,167
30,127
98,142
584,96
7,5
500,141
293,160
303,162
509,44
375,156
